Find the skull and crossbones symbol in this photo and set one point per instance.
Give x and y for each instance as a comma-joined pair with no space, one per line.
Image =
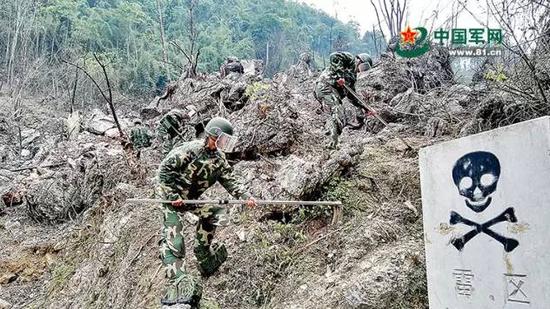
476,176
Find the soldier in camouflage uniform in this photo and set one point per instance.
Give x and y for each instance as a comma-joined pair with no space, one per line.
231,65
364,62
140,135
186,173
330,90
171,129
304,69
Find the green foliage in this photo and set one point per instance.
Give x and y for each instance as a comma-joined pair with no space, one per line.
496,75
289,233
337,190
60,274
256,90
128,32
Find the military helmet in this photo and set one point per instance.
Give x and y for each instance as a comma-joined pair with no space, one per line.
218,125
365,58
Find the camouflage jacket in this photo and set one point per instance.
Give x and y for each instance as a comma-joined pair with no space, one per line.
140,137
191,169
172,123
231,67
171,128
342,65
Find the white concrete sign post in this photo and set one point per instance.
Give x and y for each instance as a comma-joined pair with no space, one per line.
486,205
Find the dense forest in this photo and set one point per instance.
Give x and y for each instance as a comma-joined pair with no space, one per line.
146,43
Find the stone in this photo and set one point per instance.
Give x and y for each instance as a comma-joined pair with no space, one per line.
242,235
486,218
72,125
254,66
4,304
5,279
77,186
112,133
99,123
150,112
12,225
99,126
29,136
26,154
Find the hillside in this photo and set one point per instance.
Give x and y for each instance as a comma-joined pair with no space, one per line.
279,257
69,238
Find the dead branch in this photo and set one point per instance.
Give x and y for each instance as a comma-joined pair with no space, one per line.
111,105
35,166
520,51
89,76
141,249
181,50
393,13
74,89
379,22
109,99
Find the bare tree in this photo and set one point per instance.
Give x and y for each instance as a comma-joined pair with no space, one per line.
108,99
392,12
192,51
162,36
528,19
375,40
20,23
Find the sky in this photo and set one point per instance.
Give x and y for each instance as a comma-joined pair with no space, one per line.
362,12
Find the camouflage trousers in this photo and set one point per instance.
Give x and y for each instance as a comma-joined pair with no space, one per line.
140,138
328,95
172,249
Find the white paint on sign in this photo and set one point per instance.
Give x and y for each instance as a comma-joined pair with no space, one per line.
486,208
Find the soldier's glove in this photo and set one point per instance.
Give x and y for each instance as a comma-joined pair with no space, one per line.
341,82
178,203
370,113
251,203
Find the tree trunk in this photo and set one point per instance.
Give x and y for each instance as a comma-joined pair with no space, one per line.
162,37
266,55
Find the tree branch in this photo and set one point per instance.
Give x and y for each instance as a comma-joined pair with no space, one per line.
89,76
379,22
181,50
110,95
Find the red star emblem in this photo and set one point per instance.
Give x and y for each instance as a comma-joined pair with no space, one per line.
408,35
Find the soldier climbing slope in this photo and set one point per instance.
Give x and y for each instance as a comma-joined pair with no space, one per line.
304,69
330,90
171,128
186,173
231,65
140,136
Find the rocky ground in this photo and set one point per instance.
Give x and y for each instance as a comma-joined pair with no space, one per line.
69,240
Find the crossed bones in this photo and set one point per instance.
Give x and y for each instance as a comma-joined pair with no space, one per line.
508,215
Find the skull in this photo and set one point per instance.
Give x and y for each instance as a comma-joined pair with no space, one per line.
476,176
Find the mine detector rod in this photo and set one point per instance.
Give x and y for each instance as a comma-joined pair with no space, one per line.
375,113
235,202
